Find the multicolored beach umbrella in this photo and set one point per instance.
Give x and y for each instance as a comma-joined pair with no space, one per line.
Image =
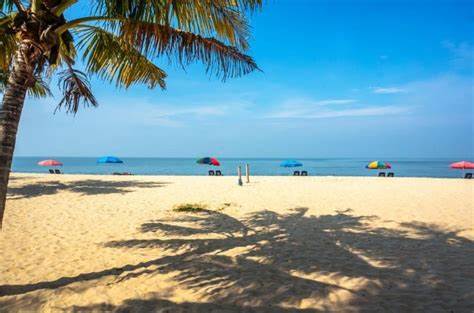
50,163
208,161
462,165
291,163
378,165
109,159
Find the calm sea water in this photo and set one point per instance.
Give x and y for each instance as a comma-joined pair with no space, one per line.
188,166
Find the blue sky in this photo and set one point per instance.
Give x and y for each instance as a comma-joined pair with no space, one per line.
340,79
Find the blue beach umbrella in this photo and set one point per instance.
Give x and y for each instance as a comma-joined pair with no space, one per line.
109,159
291,163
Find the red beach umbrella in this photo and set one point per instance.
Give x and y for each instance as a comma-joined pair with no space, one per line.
463,165
50,163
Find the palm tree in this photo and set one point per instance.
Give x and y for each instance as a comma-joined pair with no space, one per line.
118,40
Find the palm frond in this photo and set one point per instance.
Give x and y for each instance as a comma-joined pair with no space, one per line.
156,40
7,49
6,18
223,19
66,52
6,5
63,5
76,90
40,89
112,59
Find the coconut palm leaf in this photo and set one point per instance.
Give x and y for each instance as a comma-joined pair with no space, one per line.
66,53
40,89
76,89
223,19
6,5
7,49
113,59
59,8
156,40
6,18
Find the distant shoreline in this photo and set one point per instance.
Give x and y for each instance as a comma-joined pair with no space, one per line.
352,167
72,175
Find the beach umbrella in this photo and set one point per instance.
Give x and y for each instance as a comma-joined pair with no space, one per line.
378,165
462,165
208,161
109,159
50,163
291,163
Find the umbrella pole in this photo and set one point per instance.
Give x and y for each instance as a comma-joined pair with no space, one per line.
247,172
239,173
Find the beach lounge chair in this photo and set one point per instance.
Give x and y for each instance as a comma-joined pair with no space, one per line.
218,173
391,174
468,176
51,171
382,174
296,173
56,171
211,173
304,173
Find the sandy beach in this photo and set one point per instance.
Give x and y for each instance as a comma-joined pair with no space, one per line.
279,244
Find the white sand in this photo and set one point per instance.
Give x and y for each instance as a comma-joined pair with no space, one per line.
278,244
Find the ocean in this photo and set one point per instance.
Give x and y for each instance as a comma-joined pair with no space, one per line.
404,167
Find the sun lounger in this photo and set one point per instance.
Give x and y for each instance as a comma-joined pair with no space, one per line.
304,173
296,173
211,173
391,174
468,176
51,171
218,173
56,171
382,174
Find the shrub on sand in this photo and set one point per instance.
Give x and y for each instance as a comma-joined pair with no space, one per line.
190,207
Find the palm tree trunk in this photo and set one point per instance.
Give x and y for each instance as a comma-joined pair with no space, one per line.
10,112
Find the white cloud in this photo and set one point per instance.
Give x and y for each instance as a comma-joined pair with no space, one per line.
311,113
300,108
304,103
335,101
161,112
175,116
387,90
371,111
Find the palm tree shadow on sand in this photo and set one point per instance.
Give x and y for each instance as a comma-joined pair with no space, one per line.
83,187
282,262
